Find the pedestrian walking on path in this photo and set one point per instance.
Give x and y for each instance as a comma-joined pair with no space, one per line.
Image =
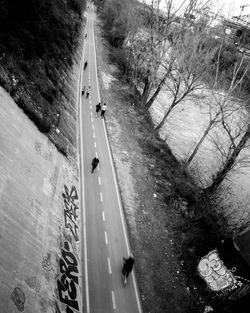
104,107
98,108
85,65
83,90
88,92
86,36
94,164
128,265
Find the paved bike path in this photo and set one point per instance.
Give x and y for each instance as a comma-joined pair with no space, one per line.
106,242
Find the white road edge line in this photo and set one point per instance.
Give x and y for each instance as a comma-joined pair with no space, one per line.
113,299
103,216
106,238
109,265
116,187
83,205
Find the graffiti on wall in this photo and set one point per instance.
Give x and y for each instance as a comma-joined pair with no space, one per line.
18,297
68,278
215,273
68,281
70,210
46,264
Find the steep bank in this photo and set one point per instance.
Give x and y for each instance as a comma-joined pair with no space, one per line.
40,213
39,47
39,230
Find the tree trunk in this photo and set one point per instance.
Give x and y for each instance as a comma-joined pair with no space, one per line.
165,116
152,99
200,143
229,164
145,92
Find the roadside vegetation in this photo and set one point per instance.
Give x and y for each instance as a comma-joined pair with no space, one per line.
38,42
179,54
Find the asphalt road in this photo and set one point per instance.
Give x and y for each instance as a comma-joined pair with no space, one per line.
104,239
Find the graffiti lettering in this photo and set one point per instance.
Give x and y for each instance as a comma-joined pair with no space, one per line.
68,283
70,210
46,263
68,310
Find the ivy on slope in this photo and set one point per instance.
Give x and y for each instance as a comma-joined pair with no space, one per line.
38,41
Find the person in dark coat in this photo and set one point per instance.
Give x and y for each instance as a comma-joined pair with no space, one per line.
98,108
85,65
88,92
94,164
127,266
83,91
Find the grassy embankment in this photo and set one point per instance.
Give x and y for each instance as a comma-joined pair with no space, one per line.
38,42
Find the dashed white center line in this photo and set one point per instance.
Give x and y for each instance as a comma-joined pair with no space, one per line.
96,154
90,107
92,120
109,265
103,216
91,113
113,299
101,196
93,126
94,135
106,237
99,180
95,144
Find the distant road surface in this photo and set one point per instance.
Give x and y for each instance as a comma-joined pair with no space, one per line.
104,234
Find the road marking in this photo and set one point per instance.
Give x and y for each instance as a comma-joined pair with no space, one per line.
95,144
93,126
111,160
109,265
106,237
101,196
96,154
113,299
91,113
94,135
103,216
92,120
116,186
83,215
99,180
90,106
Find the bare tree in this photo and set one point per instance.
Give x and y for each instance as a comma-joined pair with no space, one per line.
188,69
175,25
220,105
238,142
148,51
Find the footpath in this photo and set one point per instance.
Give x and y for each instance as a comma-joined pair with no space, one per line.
40,219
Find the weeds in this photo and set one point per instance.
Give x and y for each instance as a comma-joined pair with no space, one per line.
38,42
